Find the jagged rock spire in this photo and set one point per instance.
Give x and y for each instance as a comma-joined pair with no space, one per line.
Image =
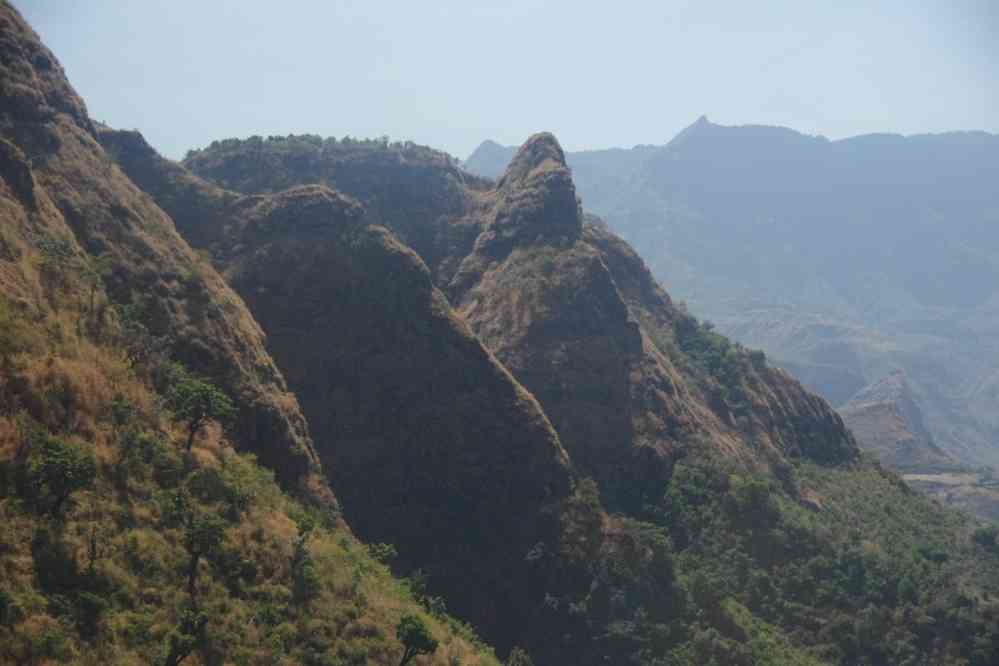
540,153
537,194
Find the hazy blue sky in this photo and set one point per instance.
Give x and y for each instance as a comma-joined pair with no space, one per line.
454,72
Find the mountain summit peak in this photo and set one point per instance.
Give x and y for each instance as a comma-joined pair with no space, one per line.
540,153
537,195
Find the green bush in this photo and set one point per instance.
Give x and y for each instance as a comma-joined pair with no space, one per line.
415,637
198,402
55,469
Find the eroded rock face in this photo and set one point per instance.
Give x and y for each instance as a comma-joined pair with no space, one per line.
73,191
576,316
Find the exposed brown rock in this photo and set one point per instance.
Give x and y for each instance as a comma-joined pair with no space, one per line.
579,320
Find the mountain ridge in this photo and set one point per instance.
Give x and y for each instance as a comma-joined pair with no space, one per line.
778,237
466,356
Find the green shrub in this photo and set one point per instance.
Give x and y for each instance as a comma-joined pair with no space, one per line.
10,610
382,552
415,637
55,469
198,402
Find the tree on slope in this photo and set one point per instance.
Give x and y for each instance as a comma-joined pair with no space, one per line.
412,632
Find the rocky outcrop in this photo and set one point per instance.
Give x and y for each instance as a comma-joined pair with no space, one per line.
579,320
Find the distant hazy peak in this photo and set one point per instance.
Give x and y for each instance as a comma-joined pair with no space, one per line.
489,144
890,388
490,159
489,148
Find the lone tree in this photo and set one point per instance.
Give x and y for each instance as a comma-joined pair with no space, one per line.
198,402
203,535
412,632
58,469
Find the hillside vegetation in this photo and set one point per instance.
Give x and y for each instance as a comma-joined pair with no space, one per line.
524,433
845,261
121,546
138,526
638,390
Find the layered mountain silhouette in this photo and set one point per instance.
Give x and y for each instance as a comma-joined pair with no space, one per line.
486,378
841,259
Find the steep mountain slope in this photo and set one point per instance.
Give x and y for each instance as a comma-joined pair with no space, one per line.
543,297
748,532
739,493
843,260
82,214
133,533
434,446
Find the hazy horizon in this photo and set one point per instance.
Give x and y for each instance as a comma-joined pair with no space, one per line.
455,74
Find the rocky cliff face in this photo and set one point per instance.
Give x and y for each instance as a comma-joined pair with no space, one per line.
570,310
828,255
576,316
432,443
78,208
436,447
